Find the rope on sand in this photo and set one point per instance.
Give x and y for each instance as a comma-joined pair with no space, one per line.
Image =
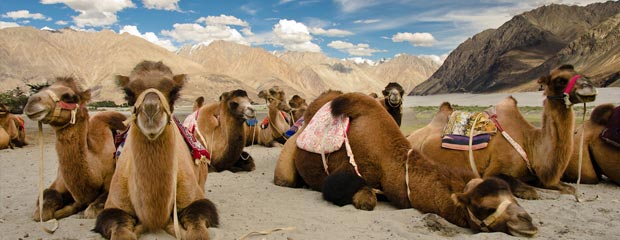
266,232
52,221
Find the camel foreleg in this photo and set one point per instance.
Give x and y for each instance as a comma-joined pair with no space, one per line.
519,188
113,223
196,218
285,173
342,188
53,201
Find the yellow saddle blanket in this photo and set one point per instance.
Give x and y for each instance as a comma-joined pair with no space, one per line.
462,123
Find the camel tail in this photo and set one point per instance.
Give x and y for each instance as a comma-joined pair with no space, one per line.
353,104
198,103
601,114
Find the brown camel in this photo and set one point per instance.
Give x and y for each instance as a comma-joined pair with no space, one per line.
13,127
277,121
85,148
599,158
392,100
155,174
220,129
298,107
386,162
548,148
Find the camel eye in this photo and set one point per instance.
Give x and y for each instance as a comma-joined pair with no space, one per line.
68,98
233,105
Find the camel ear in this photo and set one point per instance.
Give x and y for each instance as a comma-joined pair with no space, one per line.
121,80
544,80
224,96
445,106
179,80
459,199
85,96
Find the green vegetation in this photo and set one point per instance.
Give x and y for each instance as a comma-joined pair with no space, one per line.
107,104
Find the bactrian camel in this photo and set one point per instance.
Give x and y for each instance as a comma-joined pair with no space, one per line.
548,149
599,157
155,171
12,131
392,100
386,162
84,145
277,119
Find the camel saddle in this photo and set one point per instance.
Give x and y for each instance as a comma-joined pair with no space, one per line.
611,133
197,150
324,133
462,124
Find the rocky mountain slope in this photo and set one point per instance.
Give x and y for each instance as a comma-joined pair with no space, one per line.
513,56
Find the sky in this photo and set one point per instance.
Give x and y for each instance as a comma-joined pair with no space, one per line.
361,29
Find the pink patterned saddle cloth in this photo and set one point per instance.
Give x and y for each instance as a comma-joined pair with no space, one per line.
324,133
190,121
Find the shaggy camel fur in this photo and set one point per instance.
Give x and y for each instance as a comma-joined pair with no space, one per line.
85,149
548,148
155,169
220,129
13,127
407,179
277,116
392,101
599,158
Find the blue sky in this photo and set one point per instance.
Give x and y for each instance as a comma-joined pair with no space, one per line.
370,29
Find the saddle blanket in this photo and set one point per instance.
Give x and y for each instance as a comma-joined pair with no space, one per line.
324,133
460,124
265,123
190,121
611,133
195,147
295,127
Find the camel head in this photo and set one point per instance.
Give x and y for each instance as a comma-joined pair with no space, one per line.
393,93
57,104
238,104
491,207
298,105
152,89
566,85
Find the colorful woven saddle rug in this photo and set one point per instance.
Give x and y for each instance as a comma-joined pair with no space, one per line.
190,121
199,153
324,133
461,125
611,133
295,127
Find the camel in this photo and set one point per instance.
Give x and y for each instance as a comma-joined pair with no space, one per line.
277,121
392,100
220,129
599,158
156,173
298,107
386,162
84,145
548,149
13,129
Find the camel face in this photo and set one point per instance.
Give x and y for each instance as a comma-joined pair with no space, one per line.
582,91
239,104
152,117
492,208
55,103
298,106
393,92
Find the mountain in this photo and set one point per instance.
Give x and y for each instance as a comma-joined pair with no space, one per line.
513,56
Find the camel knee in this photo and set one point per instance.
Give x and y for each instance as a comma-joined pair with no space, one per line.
113,223
342,188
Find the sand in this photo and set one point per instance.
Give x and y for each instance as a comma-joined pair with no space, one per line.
250,202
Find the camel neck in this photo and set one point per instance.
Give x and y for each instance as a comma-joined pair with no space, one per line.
555,143
232,130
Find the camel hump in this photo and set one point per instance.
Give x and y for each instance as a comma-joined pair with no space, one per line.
601,114
113,119
353,104
445,107
198,103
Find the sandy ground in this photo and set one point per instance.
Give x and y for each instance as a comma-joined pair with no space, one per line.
250,202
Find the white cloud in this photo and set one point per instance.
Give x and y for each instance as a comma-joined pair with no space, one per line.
8,24
149,36
170,5
94,13
416,39
223,20
25,14
360,60
367,21
360,49
284,1
61,22
354,5
249,9
330,32
436,58
294,36
192,32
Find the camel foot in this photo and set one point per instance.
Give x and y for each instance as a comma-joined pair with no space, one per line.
519,188
113,223
564,188
96,207
244,164
52,200
342,188
197,217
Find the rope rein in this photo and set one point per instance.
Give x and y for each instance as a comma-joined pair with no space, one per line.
472,162
583,118
52,221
